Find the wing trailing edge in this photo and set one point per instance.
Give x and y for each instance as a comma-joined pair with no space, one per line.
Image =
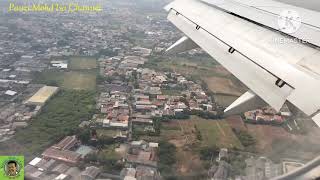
277,73
182,45
248,101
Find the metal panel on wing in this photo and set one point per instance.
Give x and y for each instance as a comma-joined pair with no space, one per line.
262,83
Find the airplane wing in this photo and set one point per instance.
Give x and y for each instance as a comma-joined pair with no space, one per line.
272,47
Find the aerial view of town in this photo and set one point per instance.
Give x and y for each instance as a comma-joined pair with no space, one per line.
93,96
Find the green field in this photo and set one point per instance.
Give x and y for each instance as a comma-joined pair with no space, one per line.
107,132
58,118
82,63
198,66
215,132
79,80
74,80
182,133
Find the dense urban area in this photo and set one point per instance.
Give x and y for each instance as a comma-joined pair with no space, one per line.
94,96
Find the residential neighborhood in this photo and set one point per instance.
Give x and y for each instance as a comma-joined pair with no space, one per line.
94,96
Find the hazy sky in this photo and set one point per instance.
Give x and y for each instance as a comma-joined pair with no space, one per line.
310,4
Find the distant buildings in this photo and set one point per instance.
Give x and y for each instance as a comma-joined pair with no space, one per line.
140,173
115,108
67,143
90,173
261,168
65,155
142,159
220,172
59,64
223,154
42,169
140,51
142,153
59,162
61,151
290,165
265,116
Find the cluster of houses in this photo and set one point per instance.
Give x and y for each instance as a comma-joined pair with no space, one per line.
141,161
267,115
115,110
260,168
168,94
120,64
223,169
257,167
60,162
133,94
130,99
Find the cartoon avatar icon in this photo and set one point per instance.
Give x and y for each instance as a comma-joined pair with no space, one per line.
12,168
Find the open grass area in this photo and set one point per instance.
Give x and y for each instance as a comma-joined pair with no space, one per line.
224,100
213,132
182,134
79,80
58,118
222,86
107,132
81,63
73,80
216,133
200,66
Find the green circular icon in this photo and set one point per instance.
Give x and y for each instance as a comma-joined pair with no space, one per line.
12,168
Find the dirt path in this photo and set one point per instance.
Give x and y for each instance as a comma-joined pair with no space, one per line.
220,129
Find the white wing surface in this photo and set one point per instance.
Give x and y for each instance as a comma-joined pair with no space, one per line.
244,37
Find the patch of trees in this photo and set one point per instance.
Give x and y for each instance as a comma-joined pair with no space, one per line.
167,158
209,153
273,123
198,133
206,114
246,140
180,116
156,126
59,117
52,83
100,79
107,52
86,137
237,161
110,164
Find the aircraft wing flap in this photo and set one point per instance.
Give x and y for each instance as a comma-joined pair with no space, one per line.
312,63
239,65
268,12
254,41
256,59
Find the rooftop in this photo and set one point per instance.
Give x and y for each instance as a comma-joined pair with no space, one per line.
66,156
42,95
66,143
